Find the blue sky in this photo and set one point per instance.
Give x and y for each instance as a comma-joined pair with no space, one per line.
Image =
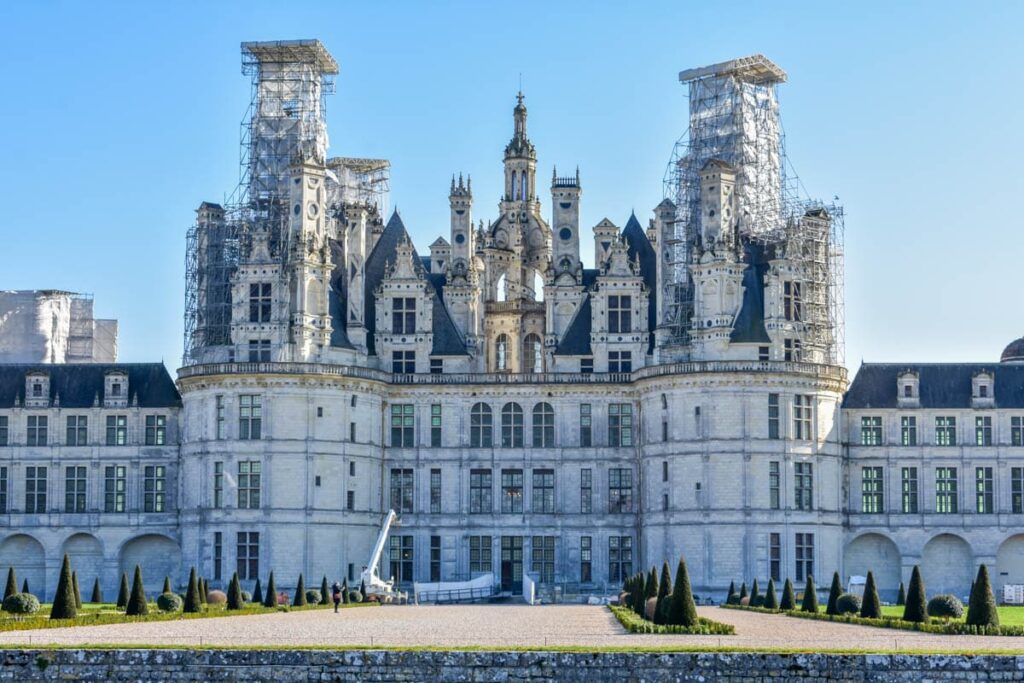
118,119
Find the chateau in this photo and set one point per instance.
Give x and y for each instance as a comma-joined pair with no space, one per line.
522,411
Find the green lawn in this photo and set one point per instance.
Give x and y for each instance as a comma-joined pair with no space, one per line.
1009,615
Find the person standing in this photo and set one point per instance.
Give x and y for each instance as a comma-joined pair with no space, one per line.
336,595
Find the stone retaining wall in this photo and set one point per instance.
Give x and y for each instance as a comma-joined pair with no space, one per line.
321,665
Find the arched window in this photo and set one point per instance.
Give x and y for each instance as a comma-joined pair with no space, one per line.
481,426
501,353
543,426
500,293
511,426
533,354
664,402
522,190
515,187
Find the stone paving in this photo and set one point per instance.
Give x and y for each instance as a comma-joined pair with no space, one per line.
496,626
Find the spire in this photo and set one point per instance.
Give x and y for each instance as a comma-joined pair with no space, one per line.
520,145
520,116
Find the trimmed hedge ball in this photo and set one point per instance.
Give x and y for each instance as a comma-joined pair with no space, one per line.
21,603
313,597
169,602
848,603
216,598
945,607
355,596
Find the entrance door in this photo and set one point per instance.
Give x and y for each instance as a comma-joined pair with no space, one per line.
512,563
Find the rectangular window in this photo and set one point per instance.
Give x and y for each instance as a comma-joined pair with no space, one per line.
543,558
156,430
586,490
1016,431
220,417
945,490
586,425
983,430
774,485
259,350
435,558
154,488
401,559
871,490
437,366
763,353
543,494
791,350
77,430
664,431
117,430
480,554
403,421
620,558
804,486
74,488
945,431
403,362
250,416
259,302
35,489
909,487
248,555
4,434
1017,490
620,316
620,424
620,490
802,417
36,432
984,490
249,476
586,559
435,425
773,417
218,484
664,470
401,490
908,430
403,315
543,426
791,304
3,490
620,361
480,492
586,366
435,492
775,556
804,556
350,500
218,555
511,491
352,432
871,430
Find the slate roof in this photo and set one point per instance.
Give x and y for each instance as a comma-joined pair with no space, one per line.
942,385
78,384
749,327
576,340
640,247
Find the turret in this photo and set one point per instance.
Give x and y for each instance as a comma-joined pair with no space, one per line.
717,184
565,219
520,160
463,246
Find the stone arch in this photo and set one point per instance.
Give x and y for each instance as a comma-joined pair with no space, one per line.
86,554
1009,564
947,565
26,555
157,555
877,554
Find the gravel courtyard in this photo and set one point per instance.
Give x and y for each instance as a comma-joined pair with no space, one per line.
495,626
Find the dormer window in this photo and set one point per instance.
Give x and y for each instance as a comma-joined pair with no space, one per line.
983,390
115,389
37,390
908,389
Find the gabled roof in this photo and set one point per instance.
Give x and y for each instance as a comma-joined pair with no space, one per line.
941,385
78,384
576,340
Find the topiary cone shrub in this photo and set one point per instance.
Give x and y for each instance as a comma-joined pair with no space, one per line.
871,606
167,585
137,605
916,608
810,603
78,593
64,605
270,598
97,592
300,593
344,591
945,607
257,593
833,594
193,603
788,601
901,596
204,590
234,596
982,610
122,592
755,594
325,592
12,583
732,592
682,610
743,591
664,593
848,603
24,587
771,599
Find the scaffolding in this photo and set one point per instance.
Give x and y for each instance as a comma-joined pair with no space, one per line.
734,117
360,181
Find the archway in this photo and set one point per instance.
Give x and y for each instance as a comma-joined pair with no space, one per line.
947,565
86,555
26,555
1009,564
877,554
159,556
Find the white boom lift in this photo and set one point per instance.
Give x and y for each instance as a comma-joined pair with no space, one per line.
371,576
